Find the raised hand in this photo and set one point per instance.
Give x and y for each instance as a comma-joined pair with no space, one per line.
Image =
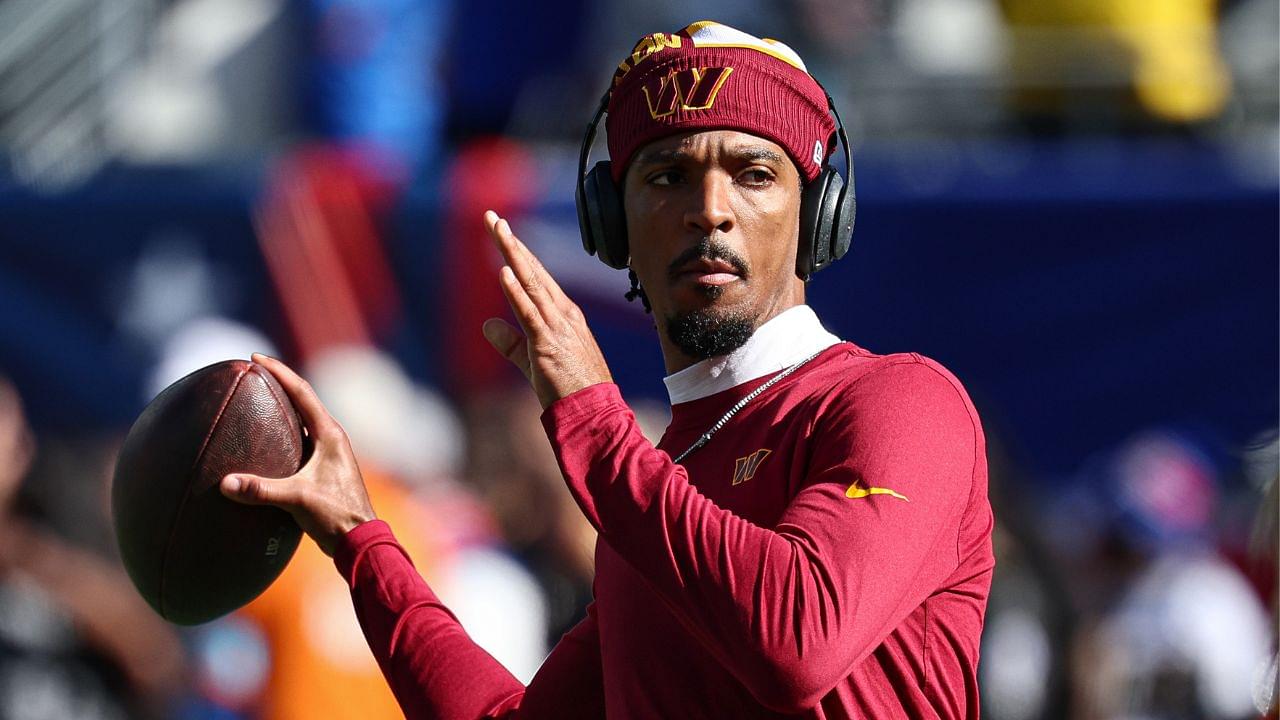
327,496
557,352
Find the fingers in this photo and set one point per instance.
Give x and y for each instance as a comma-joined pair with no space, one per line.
254,490
509,342
529,271
301,394
517,257
527,313
557,353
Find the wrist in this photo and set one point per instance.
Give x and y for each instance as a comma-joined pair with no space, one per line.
359,540
354,521
585,400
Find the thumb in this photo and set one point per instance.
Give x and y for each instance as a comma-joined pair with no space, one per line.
254,490
508,342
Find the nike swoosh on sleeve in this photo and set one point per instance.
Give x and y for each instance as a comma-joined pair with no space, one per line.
857,491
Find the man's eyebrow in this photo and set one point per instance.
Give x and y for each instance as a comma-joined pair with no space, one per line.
757,154
668,155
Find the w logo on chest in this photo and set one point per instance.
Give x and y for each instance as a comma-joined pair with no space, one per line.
691,89
745,467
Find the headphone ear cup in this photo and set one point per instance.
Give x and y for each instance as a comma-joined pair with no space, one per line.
842,232
831,218
813,251
605,221
584,222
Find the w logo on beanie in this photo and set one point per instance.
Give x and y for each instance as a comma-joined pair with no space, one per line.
692,89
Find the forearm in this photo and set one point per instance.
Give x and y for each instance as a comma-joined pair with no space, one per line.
434,669
432,666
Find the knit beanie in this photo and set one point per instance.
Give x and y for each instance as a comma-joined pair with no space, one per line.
710,76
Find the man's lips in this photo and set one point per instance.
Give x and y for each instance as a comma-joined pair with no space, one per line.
709,272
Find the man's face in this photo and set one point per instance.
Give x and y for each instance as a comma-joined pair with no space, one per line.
712,221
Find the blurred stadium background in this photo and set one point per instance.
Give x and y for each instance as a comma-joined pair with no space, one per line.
1071,203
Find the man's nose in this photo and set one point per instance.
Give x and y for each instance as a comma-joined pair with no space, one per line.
709,208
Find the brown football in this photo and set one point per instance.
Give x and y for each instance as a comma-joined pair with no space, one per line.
193,554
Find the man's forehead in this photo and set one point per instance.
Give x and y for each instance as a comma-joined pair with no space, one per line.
695,145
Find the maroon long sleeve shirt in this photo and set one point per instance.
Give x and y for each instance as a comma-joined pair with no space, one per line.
826,555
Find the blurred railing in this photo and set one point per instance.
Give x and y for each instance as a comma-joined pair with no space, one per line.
155,81
58,62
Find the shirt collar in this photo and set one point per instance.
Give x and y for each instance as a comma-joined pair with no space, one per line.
789,337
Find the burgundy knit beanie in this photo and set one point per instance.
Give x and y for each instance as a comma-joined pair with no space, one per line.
710,76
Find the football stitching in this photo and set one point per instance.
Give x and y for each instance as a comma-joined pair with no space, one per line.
269,381
173,529
271,385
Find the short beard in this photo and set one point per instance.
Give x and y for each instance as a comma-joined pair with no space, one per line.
703,334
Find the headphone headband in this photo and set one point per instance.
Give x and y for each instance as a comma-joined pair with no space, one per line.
842,137
590,137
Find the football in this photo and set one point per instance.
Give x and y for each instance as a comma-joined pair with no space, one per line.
193,554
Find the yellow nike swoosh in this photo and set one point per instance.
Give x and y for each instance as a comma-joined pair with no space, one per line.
857,491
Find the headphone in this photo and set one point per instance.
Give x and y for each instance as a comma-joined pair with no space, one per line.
826,207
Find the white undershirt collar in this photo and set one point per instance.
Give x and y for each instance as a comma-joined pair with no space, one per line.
789,337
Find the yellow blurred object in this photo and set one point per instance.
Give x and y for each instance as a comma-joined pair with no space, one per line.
1165,51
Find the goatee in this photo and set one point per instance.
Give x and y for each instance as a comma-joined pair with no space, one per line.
702,334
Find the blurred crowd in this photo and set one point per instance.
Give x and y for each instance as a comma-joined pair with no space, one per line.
1141,587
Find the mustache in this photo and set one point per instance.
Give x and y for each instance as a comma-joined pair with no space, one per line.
709,248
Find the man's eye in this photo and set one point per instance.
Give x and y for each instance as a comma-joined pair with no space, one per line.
666,177
756,177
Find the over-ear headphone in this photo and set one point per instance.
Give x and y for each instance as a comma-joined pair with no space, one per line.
827,207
